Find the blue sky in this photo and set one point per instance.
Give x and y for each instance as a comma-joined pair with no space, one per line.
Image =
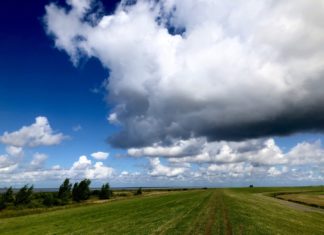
170,101
38,80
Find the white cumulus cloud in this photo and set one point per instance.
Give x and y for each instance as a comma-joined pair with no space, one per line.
161,170
100,155
83,168
15,151
38,134
38,161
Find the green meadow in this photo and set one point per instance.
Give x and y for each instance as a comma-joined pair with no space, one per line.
210,211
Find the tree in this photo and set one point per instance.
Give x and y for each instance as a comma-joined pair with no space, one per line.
24,195
81,191
105,192
6,198
75,193
8,195
64,193
138,192
3,203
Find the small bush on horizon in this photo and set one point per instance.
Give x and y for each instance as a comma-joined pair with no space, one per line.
105,192
95,192
138,192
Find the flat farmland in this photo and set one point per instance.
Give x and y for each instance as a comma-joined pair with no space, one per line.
212,211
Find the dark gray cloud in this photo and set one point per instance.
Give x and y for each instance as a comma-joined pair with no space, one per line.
306,116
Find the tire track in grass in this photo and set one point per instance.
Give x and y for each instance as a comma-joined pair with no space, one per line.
179,219
212,214
210,219
172,224
203,218
226,222
191,220
158,213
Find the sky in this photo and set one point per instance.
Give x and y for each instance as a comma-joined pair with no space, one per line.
162,93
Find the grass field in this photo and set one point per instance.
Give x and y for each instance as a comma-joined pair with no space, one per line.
213,211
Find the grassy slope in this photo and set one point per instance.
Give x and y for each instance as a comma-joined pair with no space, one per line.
192,212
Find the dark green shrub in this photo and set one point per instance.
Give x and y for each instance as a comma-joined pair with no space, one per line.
138,192
95,192
49,199
105,192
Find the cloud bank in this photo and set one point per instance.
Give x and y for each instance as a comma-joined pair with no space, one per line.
37,172
193,162
259,160
221,70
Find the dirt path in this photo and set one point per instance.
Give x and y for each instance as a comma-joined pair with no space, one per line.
293,205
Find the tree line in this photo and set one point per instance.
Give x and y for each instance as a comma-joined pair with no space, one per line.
80,191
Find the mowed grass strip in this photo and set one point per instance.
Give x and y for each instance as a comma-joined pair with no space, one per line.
184,220
142,215
215,211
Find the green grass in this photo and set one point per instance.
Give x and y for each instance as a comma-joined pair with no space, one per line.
214,211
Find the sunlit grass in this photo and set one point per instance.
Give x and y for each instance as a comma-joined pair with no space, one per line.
213,211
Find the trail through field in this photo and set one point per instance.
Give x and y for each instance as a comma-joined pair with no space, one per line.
294,205
191,212
307,198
